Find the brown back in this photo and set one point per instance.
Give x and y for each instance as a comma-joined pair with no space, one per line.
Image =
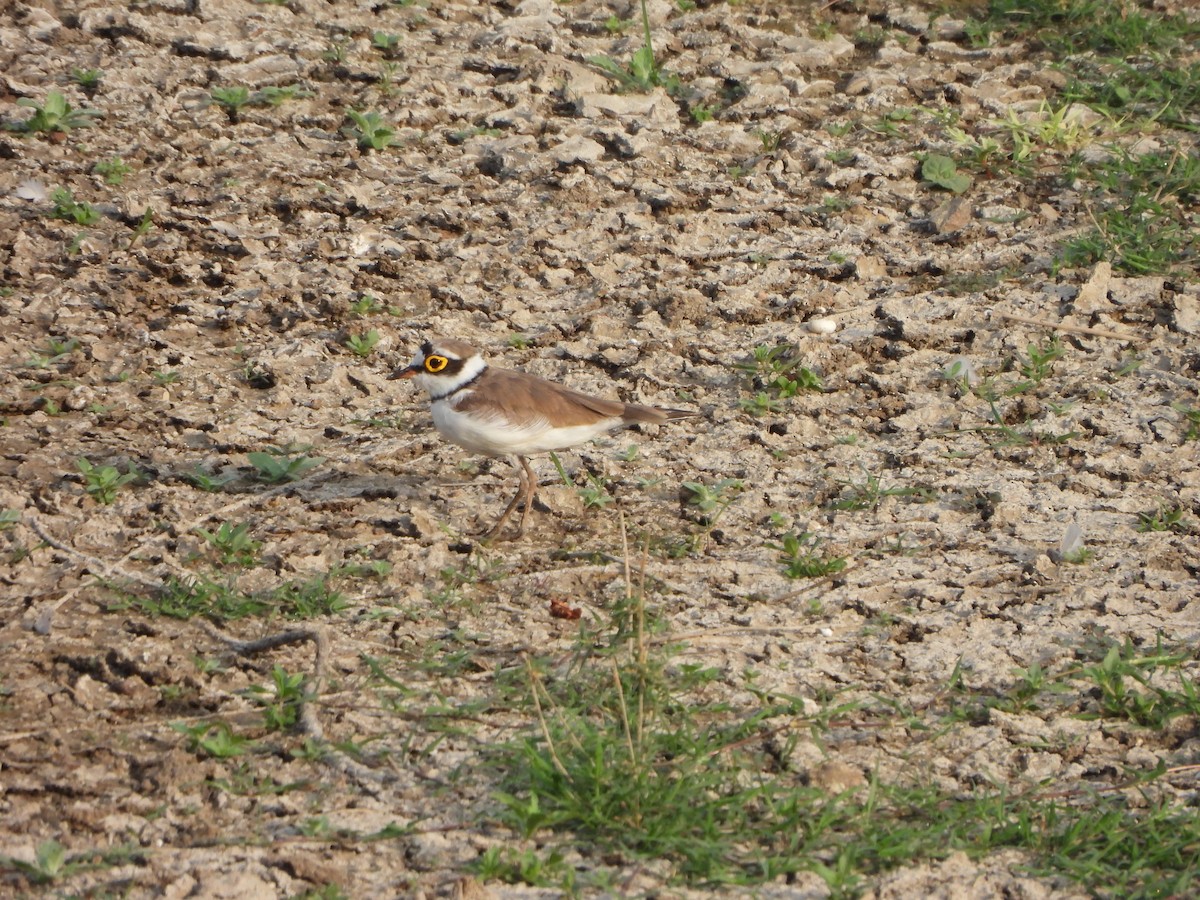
516,395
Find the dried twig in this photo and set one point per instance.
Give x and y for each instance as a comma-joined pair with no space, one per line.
310,725
1072,329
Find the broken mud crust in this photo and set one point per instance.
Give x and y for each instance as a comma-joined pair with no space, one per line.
986,456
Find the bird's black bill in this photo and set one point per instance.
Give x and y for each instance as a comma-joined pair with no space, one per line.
405,372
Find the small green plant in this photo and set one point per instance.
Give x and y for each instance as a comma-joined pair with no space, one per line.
769,140
761,404
616,25
335,52
1008,435
701,113
362,345
279,95
1127,689
164,378
1072,549
206,482
56,351
233,542
1140,234
231,99
51,862
144,226
384,41
521,867
366,305
777,373
113,170
69,210
1162,519
281,465
643,72
282,701
88,79
387,77
712,500
56,115
1040,359
869,493
1191,418
9,518
941,171
595,493
369,130
103,482
801,559
961,373
201,596
217,739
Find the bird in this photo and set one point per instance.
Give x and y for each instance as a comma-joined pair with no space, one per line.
505,412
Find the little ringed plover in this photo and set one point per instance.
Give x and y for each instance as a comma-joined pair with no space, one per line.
502,412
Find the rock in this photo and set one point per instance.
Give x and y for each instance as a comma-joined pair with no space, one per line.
577,149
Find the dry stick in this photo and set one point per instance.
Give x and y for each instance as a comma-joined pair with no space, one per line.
309,723
92,562
1073,329
537,705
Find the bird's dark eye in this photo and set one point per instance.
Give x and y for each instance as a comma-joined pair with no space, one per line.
435,363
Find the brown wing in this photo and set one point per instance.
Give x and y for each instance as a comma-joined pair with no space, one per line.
524,399
521,399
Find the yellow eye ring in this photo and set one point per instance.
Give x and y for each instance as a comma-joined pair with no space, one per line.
435,363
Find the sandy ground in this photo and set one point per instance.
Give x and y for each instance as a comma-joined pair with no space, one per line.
613,242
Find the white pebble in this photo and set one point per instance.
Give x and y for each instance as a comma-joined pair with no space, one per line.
822,325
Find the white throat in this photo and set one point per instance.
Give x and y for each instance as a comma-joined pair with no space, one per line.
440,386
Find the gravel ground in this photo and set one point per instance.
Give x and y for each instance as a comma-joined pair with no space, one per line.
612,241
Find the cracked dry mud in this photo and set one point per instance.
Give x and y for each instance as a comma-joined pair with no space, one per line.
634,253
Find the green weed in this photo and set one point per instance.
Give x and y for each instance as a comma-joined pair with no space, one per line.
369,130
1163,519
1191,418
643,72
282,701
277,466
216,739
52,863
56,115
68,209
942,172
801,558
870,492
103,482
231,99
777,373
113,170
362,345
202,596
233,543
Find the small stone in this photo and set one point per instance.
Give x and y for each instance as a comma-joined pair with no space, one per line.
953,215
822,325
578,149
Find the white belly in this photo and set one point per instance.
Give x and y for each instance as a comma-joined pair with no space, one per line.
496,437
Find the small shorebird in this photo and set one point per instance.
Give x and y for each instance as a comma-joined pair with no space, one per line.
502,412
